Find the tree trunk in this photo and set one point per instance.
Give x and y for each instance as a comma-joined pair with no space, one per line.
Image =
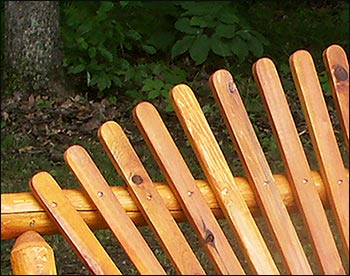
33,49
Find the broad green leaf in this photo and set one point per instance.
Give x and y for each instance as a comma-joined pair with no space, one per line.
224,30
228,17
198,21
182,46
200,49
255,46
184,25
239,48
220,47
152,94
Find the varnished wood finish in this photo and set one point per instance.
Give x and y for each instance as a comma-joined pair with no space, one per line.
21,212
297,167
94,184
337,66
323,138
71,225
31,255
258,172
187,193
222,182
148,199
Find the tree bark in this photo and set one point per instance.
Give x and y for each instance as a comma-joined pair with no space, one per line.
33,49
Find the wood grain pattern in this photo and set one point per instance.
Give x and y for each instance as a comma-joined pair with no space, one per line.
337,66
187,193
297,167
21,212
323,138
148,199
221,180
94,184
258,172
71,225
31,255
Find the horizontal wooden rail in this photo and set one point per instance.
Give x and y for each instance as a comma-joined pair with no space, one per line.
21,212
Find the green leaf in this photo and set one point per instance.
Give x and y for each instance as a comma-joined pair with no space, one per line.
182,46
200,49
228,18
220,47
255,46
149,49
184,25
76,69
92,52
198,21
105,53
227,31
153,94
239,48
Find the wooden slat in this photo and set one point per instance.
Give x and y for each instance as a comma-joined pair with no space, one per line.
297,167
187,193
94,184
21,212
325,145
337,66
31,255
148,199
221,180
71,225
258,172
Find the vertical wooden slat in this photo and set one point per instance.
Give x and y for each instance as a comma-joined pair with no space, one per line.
258,172
148,199
221,180
187,193
337,66
325,145
31,255
94,184
71,225
297,167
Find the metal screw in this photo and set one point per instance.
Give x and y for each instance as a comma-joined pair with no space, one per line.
225,191
340,73
53,204
31,223
99,194
137,179
231,87
149,197
340,181
305,181
265,182
189,193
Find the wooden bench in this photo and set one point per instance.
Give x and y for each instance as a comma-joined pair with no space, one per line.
28,217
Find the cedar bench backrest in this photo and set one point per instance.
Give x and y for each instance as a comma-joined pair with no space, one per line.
225,187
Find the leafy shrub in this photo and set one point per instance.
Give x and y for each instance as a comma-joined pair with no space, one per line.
217,27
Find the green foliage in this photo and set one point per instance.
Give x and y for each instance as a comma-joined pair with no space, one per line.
206,27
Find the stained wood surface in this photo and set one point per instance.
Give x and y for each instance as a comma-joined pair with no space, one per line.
32,255
323,138
222,182
148,199
71,225
187,193
337,66
21,212
94,184
259,173
297,167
